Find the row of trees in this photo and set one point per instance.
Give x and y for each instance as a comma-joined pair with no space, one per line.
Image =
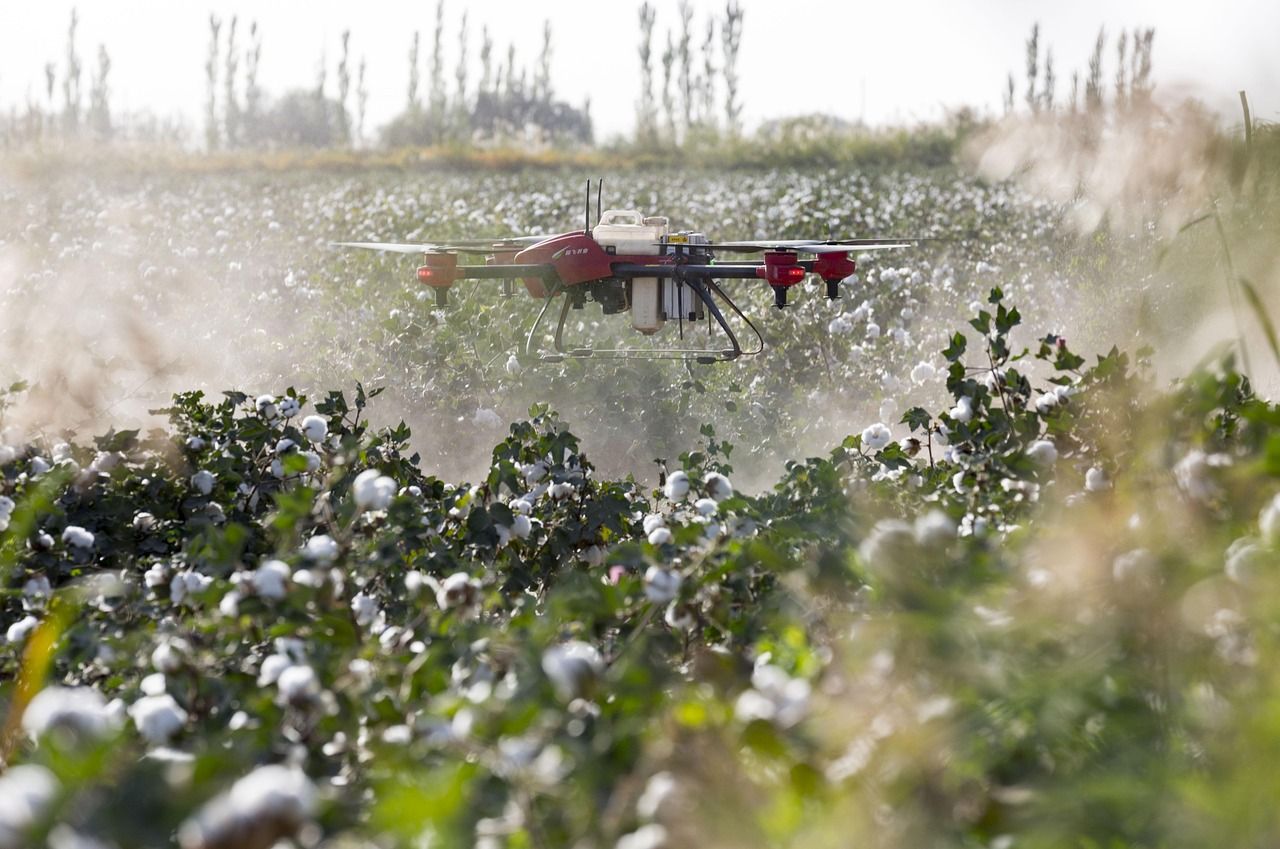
1132,82
509,102
684,106
64,110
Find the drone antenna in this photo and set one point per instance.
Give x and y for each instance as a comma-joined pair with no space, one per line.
599,191
586,219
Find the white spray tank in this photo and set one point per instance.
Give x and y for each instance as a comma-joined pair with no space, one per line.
627,232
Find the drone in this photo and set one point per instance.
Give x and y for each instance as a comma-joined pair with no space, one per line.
633,263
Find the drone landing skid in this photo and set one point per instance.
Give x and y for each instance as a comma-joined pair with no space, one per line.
707,291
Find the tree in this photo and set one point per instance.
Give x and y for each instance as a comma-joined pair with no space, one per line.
1033,60
486,61
1050,81
436,106
211,81
1009,94
252,93
646,119
231,108
684,51
344,89
708,99
99,97
1140,77
542,79
668,96
1122,85
462,110
413,104
71,81
362,101
1093,83
731,39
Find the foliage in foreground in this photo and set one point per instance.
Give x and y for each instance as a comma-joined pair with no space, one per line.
1045,618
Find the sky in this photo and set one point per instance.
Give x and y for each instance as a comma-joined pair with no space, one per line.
886,63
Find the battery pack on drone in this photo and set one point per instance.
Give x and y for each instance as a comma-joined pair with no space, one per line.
679,301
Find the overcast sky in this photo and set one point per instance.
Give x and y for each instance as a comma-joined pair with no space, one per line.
884,61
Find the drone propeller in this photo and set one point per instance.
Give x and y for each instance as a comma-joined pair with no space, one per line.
816,246
468,247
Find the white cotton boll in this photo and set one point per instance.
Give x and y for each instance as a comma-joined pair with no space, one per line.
80,710
923,373
298,685
373,490
321,548
153,684
156,576
1243,559
963,410
520,506
534,472
195,443
513,365
36,591
560,491
270,580
270,802
1269,521
38,466
1095,480
706,506
77,537
7,506
521,527
289,407
1046,402
105,461
158,718
934,528
1043,452
62,452
718,486
876,436
661,585
365,607
660,787
186,584
873,330
7,455
1134,567
677,486
459,590
651,836
266,405
169,657
202,482
271,668
572,668
27,792
653,521
659,536
18,632
315,428
229,604
144,522
840,325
